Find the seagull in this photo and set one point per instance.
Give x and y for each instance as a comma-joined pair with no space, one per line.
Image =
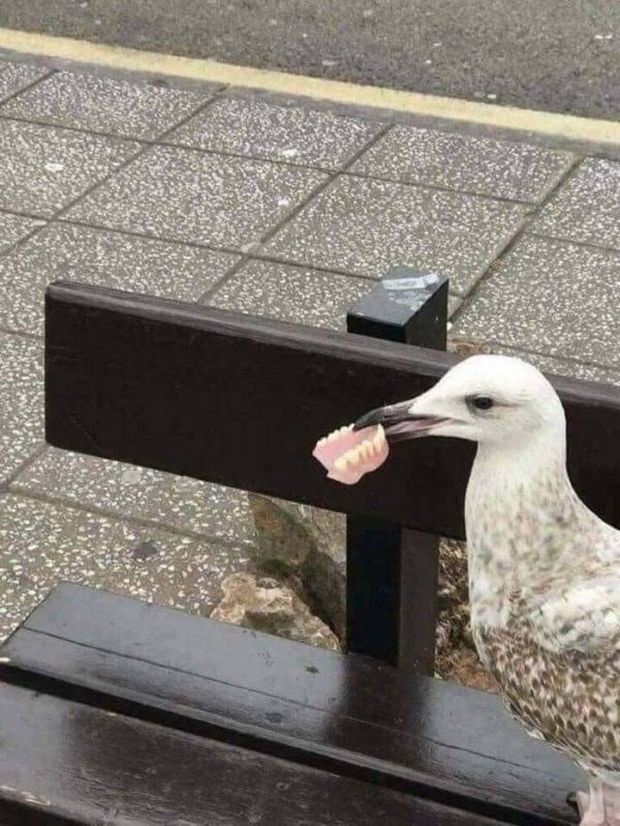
544,570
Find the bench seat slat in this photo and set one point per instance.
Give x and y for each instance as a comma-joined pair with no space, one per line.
350,714
64,762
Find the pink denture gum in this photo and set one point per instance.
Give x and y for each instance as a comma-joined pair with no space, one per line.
348,454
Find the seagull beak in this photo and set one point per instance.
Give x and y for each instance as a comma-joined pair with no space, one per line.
400,421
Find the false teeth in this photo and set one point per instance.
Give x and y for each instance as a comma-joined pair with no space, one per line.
348,454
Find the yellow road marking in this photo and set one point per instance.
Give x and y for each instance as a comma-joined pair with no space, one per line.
551,124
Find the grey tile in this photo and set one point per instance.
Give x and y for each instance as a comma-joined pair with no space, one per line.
564,367
464,162
185,195
103,104
290,293
21,401
129,491
587,207
104,258
44,168
552,297
43,543
15,227
16,76
466,346
367,226
286,133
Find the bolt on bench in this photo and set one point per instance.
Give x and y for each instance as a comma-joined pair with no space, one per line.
117,712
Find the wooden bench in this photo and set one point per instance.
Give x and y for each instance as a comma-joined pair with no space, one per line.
117,712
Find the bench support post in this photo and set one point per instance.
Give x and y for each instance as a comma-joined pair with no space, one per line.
392,572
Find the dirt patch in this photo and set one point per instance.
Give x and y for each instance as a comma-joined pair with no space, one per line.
457,659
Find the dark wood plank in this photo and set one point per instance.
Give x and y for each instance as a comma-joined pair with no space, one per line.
240,401
353,715
63,762
392,572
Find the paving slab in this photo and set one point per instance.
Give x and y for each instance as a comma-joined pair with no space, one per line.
103,104
16,76
289,293
42,544
186,195
504,169
110,259
21,401
367,226
565,367
587,207
140,493
45,168
555,298
15,227
264,130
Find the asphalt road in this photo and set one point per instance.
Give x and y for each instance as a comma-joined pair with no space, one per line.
557,55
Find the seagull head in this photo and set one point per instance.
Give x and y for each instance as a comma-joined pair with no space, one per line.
488,399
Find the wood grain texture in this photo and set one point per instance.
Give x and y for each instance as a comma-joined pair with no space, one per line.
240,401
63,762
350,715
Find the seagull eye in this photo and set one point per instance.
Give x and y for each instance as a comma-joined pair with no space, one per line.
480,402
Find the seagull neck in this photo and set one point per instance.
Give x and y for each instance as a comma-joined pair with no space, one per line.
522,467
519,505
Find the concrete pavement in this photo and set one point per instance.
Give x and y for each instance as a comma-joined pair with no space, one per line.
272,207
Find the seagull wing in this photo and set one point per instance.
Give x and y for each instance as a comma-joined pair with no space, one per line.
579,614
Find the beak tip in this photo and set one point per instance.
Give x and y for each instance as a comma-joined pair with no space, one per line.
368,419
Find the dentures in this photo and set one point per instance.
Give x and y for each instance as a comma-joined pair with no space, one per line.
348,454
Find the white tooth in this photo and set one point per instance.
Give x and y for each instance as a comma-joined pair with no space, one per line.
341,463
321,442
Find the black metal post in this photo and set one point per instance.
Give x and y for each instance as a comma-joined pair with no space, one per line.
392,572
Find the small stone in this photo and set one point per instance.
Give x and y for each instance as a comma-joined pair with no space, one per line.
272,610
307,546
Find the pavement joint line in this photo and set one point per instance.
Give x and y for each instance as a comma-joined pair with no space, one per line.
293,213
550,124
521,231
565,239
16,489
418,184
27,87
22,213
572,359
5,486
24,238
271,258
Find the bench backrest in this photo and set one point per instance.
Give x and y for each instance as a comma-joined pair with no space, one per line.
240,401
